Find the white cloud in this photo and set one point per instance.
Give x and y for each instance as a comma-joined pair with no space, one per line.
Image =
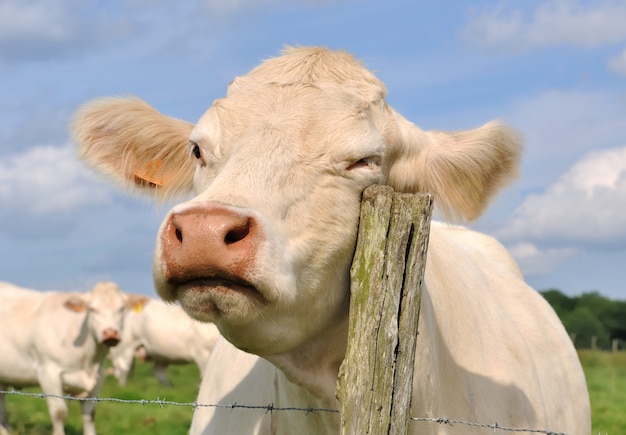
552,23
584,207
50,28
43,189
617,64
559,127
32,19
536,261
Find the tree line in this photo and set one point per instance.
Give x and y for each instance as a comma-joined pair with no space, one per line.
590,315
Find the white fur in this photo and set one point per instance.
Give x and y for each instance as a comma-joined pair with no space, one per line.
291,149
166,335
54,340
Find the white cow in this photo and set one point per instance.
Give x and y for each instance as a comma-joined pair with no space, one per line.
166,334
264,248
58,341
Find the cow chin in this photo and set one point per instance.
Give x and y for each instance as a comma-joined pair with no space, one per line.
210,300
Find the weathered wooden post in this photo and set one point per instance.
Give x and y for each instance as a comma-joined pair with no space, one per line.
376,377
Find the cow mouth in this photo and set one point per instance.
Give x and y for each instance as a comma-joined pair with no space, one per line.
208,299
110,342
213,285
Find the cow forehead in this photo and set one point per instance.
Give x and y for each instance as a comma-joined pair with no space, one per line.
314,120
107,296
313,65
307,91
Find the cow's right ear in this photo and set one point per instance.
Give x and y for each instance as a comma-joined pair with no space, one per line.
76,304
135,145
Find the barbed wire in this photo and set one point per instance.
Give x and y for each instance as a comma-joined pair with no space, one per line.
494,426
269,408
161,402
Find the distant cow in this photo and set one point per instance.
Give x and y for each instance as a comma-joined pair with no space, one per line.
166,335
58,341
278,167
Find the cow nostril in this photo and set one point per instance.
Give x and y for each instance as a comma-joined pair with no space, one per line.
238,233
179,235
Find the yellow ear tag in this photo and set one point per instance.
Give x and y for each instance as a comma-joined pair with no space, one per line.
138,307
149,174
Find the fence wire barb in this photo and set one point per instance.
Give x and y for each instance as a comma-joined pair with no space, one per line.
269,408
495,426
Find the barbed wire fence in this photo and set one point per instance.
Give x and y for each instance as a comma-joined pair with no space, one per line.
413,211
270,408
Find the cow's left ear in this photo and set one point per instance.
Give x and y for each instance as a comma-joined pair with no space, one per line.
136,303
135,145
76,304
462,169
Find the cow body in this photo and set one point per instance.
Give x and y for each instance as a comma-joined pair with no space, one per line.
166,335
58,341
465,368
263,250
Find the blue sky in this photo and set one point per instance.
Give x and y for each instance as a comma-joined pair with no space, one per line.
554,69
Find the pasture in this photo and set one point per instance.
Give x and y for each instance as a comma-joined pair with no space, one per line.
29,415
606,380
605,372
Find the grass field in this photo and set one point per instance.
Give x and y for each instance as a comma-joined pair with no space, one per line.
29,416
606,379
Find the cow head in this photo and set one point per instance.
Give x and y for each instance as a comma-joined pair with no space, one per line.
104,307
277,168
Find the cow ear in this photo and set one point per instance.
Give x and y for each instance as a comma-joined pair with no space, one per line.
76,304
136,302
462,169
135,145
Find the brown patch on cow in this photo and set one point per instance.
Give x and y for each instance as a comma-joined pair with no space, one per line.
75,304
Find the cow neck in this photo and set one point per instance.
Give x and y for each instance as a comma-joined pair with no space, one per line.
314,365
83,332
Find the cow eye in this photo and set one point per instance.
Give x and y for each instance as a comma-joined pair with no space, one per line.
366,162
197,152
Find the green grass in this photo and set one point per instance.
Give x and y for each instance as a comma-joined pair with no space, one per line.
605,372
28,415
606,381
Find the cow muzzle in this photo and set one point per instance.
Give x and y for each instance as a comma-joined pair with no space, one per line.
205,244
110,337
